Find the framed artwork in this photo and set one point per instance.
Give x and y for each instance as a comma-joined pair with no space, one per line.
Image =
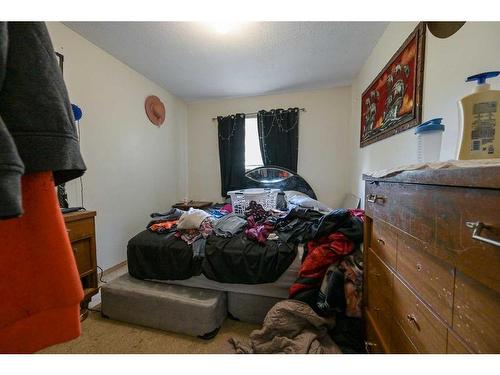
392,103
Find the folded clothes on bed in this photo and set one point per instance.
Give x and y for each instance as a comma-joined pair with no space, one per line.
191,235
172,214
164,226
192,219
229,225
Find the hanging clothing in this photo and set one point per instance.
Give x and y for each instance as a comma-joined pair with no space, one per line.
279,137
231,131
37,130
40,287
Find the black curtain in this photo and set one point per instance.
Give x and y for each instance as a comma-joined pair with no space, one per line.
231,152
279,137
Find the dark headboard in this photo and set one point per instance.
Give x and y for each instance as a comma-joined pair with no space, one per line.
275,177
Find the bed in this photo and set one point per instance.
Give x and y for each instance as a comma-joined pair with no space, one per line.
255,277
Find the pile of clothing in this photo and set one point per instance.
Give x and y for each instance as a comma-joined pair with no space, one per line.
331,270
192,226
164,222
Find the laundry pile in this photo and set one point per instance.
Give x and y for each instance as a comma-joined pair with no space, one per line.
331,272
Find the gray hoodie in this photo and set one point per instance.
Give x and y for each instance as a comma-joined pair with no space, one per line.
37,130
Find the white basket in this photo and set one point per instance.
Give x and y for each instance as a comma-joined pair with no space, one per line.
240,199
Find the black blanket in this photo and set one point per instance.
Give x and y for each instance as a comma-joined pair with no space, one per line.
162,257
242,261
227,260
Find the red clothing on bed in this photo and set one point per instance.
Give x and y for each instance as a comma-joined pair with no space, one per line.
40,289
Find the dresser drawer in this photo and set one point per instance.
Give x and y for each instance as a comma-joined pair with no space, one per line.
384,242
381,201
422,327
476,313
80,229
83,255
400,343
455,345
373,344
430,277
379,299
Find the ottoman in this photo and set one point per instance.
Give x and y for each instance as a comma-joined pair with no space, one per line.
248,307
192,311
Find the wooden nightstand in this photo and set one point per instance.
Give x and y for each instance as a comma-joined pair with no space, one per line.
192,204
81,231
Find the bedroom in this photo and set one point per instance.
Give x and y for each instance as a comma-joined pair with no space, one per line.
209,86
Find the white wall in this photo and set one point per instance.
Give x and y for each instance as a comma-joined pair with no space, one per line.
133,167
324,156
475,48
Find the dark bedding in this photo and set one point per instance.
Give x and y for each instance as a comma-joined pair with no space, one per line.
242,261
227,260
163,257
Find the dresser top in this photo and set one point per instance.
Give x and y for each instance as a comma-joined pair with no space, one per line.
465,175
78,215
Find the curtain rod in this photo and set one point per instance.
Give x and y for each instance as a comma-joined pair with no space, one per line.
255,113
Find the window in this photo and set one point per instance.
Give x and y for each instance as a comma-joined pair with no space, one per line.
253,158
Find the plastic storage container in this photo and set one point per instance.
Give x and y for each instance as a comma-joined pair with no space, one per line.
429,135
240,199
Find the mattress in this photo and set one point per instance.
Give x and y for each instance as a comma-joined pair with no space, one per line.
277,289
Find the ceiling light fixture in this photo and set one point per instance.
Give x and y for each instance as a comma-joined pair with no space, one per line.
224,27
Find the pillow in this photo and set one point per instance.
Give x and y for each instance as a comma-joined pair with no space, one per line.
290,194
192,219
307,202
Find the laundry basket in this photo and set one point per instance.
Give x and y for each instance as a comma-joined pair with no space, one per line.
240,199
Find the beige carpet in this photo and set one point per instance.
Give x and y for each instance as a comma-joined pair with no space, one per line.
100,335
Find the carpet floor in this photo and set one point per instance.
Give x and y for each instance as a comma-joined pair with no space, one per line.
105,336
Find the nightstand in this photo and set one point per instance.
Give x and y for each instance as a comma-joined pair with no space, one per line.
80,226
192,204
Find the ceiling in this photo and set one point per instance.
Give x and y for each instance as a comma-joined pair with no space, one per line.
193,61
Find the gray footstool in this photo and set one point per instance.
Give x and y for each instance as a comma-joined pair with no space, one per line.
192,311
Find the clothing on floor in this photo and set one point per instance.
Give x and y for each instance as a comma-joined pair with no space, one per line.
342,287
290,327
192,219
229,225
40,289
323,252
37,130
349,334
320,255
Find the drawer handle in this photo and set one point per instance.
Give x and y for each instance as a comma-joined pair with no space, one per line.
411,318
476,234
381,241
419,267
74,250
373,198
369,345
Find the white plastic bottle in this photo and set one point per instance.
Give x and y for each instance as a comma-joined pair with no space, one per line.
429,136
480,118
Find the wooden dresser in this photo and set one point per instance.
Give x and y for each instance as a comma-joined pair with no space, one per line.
432,261
81,230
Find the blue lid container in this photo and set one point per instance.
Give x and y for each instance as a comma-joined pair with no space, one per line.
429,126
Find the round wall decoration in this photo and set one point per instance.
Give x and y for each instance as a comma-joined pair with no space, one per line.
155,110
